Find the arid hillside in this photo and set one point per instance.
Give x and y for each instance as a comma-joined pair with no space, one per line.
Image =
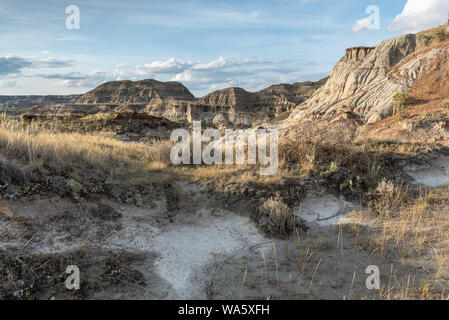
365,80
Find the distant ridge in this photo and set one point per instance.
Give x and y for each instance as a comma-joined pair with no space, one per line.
142,91
26,101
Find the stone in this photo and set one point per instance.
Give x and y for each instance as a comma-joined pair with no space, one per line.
364,81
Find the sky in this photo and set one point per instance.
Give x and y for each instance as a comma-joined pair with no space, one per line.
205,44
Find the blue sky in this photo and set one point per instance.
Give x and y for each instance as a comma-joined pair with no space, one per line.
205,44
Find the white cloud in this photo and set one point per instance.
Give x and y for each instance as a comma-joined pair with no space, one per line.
191,78
169,66
200,77
51,62
362,24
86,80
8,83
418,15
214,64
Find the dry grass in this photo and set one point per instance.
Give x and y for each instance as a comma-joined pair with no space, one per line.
307,151
312,148
275,219
410,228
82,157
333,152
415,231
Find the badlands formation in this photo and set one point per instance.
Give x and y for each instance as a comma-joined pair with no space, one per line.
362,181
173,101
365,80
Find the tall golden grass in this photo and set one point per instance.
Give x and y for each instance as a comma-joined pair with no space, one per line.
81,155
414,230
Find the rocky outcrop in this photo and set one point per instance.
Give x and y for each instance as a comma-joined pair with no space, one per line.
298,91
362,82
232,105
239,107
143,91
230,98
172,101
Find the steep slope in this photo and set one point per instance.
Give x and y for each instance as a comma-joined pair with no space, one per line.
364,81
144,91
361,83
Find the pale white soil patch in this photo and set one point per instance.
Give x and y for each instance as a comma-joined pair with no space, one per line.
324,210
176,250
185,248
433,174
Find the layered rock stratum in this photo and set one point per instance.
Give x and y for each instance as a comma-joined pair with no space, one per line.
173,101
364,81
143,91
238,106
361,87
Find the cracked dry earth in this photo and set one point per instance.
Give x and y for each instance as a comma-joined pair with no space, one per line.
197,250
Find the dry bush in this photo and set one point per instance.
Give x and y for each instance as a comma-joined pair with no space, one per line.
313,147
276,219
391,197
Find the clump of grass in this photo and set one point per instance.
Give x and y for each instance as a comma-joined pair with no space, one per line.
446,103
440,33
275,219
435,116
390,197
74,186
414,228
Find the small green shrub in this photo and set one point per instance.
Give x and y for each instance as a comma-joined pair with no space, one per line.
74,186
400,102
